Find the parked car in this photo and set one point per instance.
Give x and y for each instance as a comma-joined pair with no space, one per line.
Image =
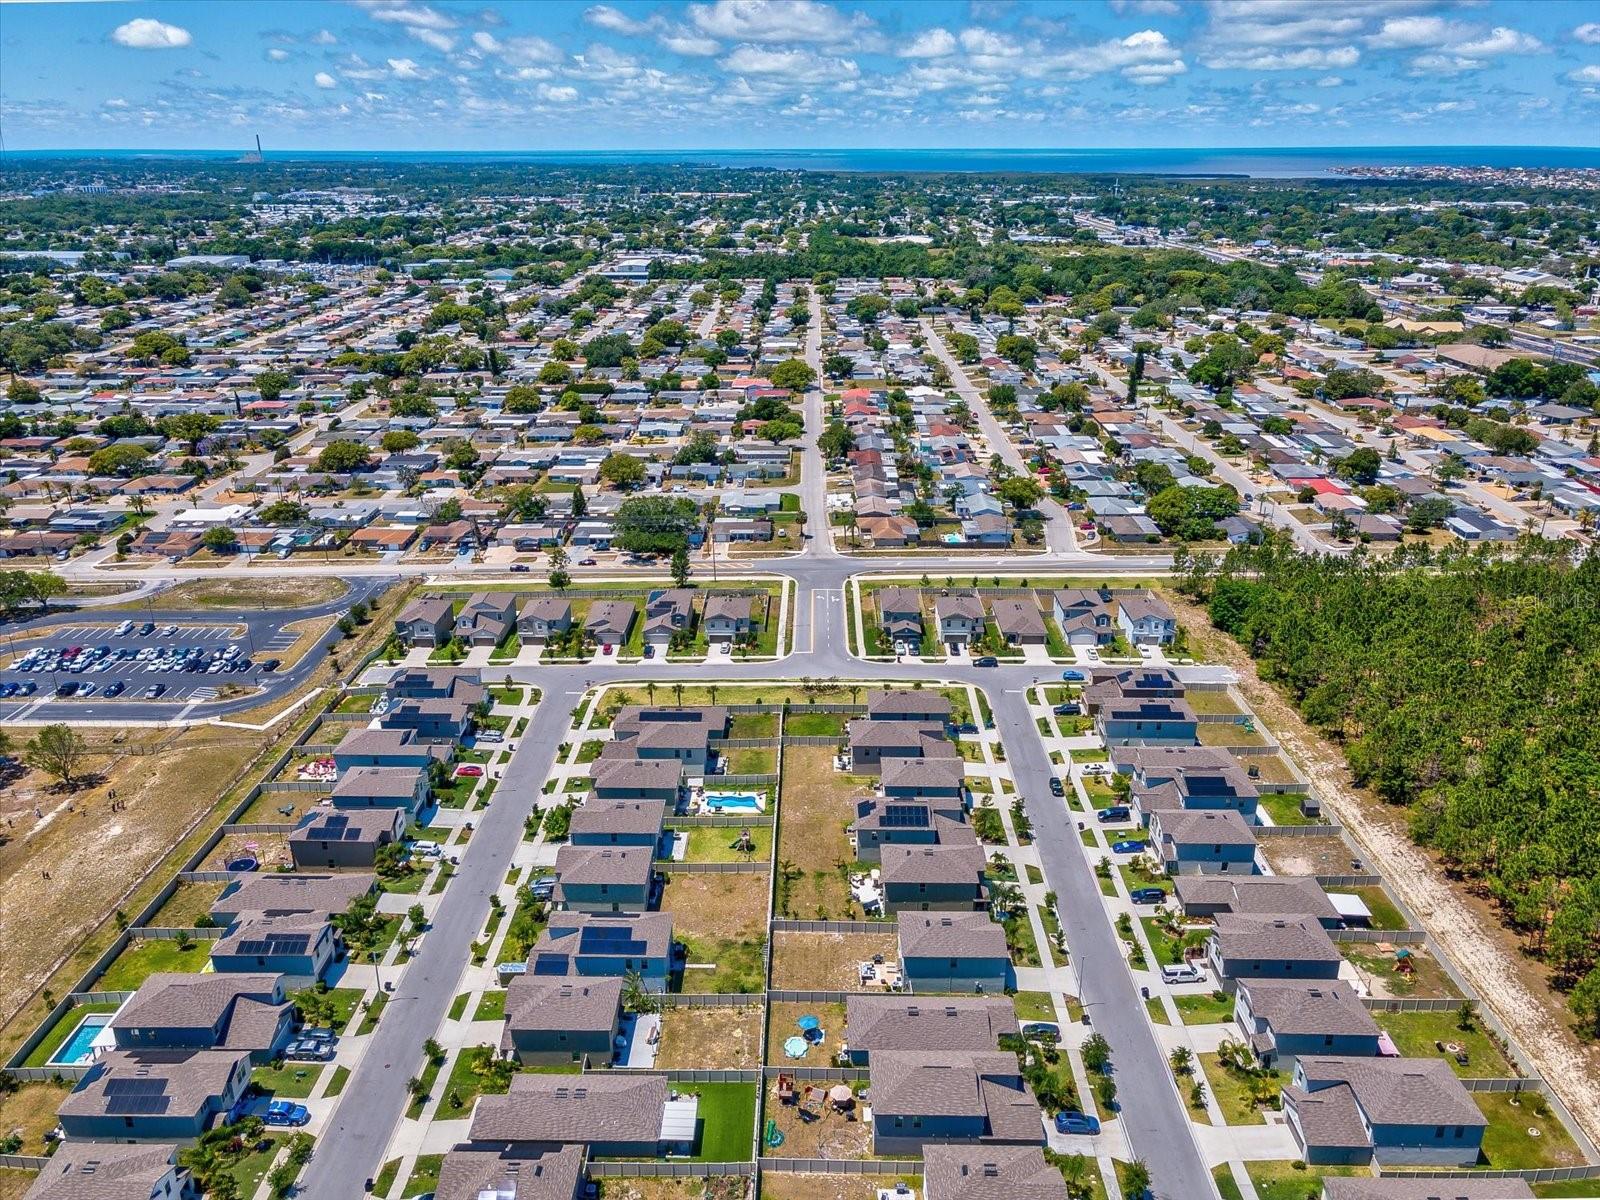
1182,973
308,1050
270,665
519,568
1117,812
1073,676
147,629
587,562
1128,846
987,660
1055,787
1148,895
469,771
123,629
1076,1122
155,690
115,688
286,1112
1066,710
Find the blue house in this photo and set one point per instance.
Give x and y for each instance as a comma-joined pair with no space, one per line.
953,952
1243,948
1205,841
1410,1111
613,944
299,945
1283,1020
154,1095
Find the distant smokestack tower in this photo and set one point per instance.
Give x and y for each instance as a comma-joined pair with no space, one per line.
252,156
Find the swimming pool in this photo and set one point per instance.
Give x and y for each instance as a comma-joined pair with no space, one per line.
734,802
79,1048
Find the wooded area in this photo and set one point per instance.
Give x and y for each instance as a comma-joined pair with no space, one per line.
1464,687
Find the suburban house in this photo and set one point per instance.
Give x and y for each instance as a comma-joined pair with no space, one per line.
282,894
426,621
874,743
486,618
245,1014
637,779
299,946
900,615
609,622
953,952
923,1096
445,720
1284,1019
909,704
677,734
1146,722
154,1095
1204,896
537,1171
1243,948
438,683
945,876
589,945
398,789
1084,617
348,838
1189,777
666,613
882,821
604,879
617,823
1401,1187
1208,841
544,617
385,748
727,618
1411,1111
613,1115
989,1172
942,778
960,617
1019,621
1146,620
874,1024
556,1020
99,1171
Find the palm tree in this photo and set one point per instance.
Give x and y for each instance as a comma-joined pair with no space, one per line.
677,693
650,691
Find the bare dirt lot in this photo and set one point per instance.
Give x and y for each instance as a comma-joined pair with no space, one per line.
781,1185
826,962
299,591
1466,927
814,809
720,1038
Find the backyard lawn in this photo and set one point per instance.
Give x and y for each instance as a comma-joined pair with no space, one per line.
827,961
722,919
727,1121
718,1038
814,807
782,1023
814,724
30,1112
1423,976
187,905
1415,1035
1510,1144
786,1185
142,959
62,1030
715,843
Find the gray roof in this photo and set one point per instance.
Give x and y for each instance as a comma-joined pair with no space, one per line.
734,608
1191,826
573,1108
284,932
388,783
184,1000
951,935
897,600
618,816
361,826
918,736
516,1173
1327,1006
627,774
959,604
637,720
954,1083
619,866
547,608
994,1172
434,610
874,1023
1298,939
542,1003
1395,1091
104,1171
1146,605
295,892
610,616
1279,895
1017,616
959,861
900,702
651,932
177,1083
938,772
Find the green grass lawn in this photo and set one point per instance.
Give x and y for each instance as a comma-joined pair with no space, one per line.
1205,1009
714,843
62,1029
1232,1092
1157,1011
1385,913
1284,808
291,1081
385,1177
1034,1006
465,1084
727,1122
1586,1189
753,725
1021,942
1227,1187
1293,1180
142,959
814,724
250,1170
1507,1144
739,965
492,1007
752,760
1415,1033
1165,948
369,1020
424,1175
336,1081
428,1072
459,1006
508,695
1136,876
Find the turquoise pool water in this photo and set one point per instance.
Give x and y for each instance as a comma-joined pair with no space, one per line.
78,1048
733,801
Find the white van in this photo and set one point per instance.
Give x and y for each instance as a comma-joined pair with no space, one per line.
1182,973
426,849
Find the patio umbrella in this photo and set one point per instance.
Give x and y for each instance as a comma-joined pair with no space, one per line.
808,1023
841,1096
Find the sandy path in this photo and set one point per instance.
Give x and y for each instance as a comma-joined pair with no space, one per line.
1469,932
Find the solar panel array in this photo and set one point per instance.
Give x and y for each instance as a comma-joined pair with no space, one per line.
609,939
550,964
136,1097
905,816
276,943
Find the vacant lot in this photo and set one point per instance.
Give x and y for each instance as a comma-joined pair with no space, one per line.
712,1038
827,962
722,920
814,853
275,592
781,1185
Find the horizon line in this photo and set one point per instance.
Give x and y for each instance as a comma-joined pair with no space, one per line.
807,149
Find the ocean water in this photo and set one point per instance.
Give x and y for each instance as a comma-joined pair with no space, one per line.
1267,162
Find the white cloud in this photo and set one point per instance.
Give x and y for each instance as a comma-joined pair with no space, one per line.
116,102
1263,59
780,21
143,33
930,43
557,94
688,43
518,50
796,64
442,42
413,16
1588,33
986,43
323,38
615,20
1330,81
405,68
277,55
323,80
1405,32
1589,74
1162,8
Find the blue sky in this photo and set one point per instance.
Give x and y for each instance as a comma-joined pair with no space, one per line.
569,74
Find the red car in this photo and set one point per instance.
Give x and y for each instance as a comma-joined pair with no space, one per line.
468,771
606,649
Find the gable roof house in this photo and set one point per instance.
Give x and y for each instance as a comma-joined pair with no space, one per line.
544,617
402,789
540,1171
447,720
426,621
1269,947
875,1024
609,622
1019,621
1410,1111
617,823
873,743
245,1014
613,1115
947,875
102,1171
1146,620
1206,840
990,1172
1281,1020
284,894
346,839
298,946
953,952
154,1095
727,617
923,1096
597,945
558,1020
892,821
960,617
486,618
900,614
666,613
1401,1187
623,778
908,704
1256,895
604,878
387,748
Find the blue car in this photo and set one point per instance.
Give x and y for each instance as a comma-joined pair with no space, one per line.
1072,676
1127,847
1076,1122
286,1112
